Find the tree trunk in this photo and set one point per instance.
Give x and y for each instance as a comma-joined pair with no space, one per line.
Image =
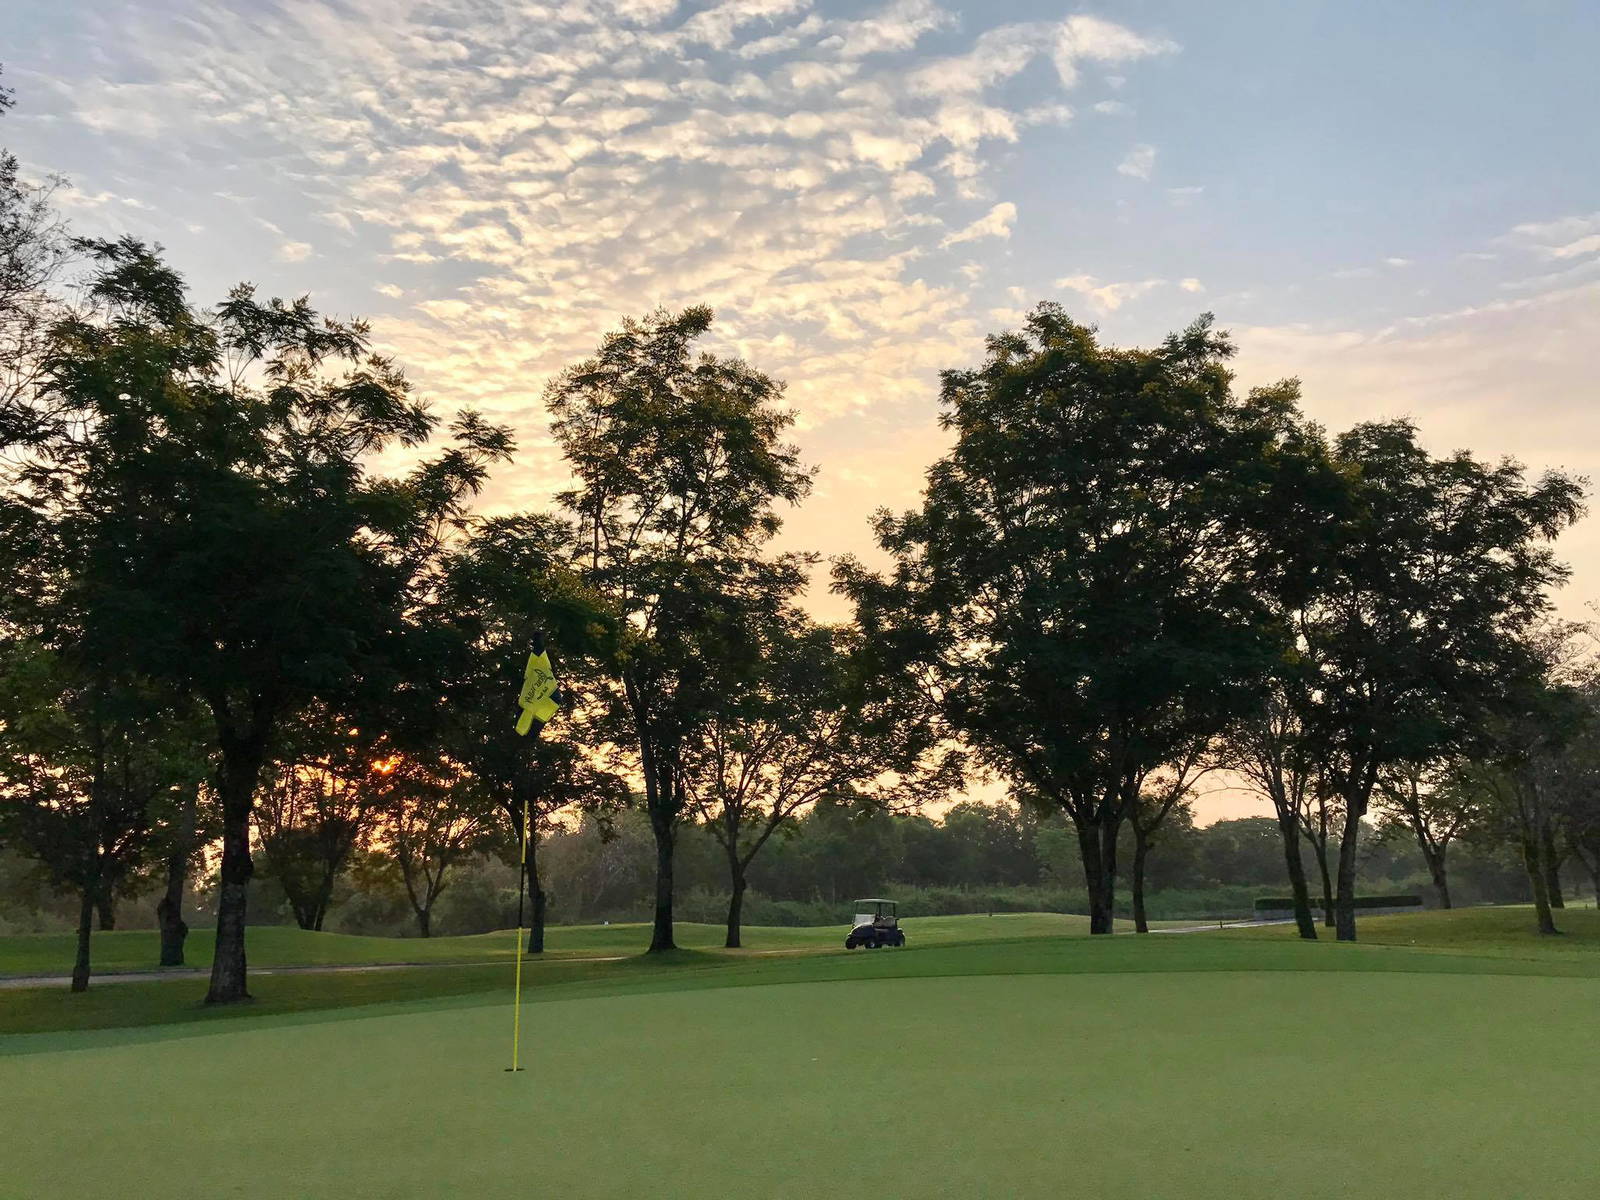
169,913
304,916
1349,839
324,901
536,894
1321,850
236,790
1289,830
1535,844
1141,851
1539,882
80,967
735,904
664,828
1098,876
169,910
1441,883
106,905
1552,862
424,920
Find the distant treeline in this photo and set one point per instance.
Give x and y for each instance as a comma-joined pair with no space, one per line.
978,858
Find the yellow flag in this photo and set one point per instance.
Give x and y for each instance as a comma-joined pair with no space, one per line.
537,697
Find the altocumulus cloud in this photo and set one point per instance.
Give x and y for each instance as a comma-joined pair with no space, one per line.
518,176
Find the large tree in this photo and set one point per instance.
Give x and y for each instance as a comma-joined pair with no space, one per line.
1416,634
1087,586
679,468
226,533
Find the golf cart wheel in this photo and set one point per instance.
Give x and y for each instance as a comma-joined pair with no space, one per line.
899,939
849,943
871,943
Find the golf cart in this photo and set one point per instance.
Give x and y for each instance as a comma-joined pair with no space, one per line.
875,925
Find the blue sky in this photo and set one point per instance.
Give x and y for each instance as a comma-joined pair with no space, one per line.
1397,202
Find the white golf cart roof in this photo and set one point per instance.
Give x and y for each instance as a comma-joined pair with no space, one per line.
871,900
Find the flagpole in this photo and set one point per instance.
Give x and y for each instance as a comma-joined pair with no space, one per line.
539,699
516,1005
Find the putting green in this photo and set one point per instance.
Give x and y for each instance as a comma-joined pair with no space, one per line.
1142,1085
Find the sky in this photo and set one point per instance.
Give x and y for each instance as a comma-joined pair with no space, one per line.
1398,204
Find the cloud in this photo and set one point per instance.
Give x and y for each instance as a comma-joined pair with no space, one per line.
1138,162
898,27
520,177
1089,39
995,223
1191,285
1112,296
1509,377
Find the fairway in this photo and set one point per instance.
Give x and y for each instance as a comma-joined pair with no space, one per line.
1107,1076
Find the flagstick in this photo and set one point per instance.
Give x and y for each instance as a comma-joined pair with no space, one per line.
516,1010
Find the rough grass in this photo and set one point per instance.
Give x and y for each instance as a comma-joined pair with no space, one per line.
278,945
969,946
1197,1066
1497,932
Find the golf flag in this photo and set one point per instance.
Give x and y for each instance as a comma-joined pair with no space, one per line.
539,687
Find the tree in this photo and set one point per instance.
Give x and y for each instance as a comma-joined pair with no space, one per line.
506,586
225,532
1422,600
1164,793
187,829
432,823
815,719
1087,586
1269,750
316,806
1574,776
1531,757
1434,804
679,468
33,254
87,763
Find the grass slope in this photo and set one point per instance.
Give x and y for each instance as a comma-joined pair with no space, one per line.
1503,931
277,945
1131,1069
972,947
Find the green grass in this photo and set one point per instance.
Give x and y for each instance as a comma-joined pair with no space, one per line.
278,946
1499,932
1170,1066
950,946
